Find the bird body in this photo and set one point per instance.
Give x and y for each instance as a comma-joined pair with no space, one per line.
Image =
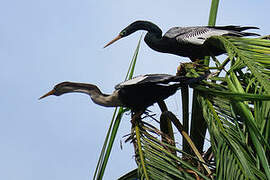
143,91
136,94
184,41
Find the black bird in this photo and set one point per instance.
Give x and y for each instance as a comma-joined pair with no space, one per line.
136,94
184,41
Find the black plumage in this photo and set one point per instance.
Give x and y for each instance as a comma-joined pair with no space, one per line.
184,41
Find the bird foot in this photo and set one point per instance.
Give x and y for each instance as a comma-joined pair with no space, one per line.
136,117
190,68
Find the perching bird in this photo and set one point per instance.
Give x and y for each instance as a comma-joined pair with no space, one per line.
184,41
136,94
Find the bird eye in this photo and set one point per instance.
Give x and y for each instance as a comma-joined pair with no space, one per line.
122,33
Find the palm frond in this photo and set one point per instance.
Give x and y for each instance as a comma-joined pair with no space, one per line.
132,175
236,108
154,158
252,54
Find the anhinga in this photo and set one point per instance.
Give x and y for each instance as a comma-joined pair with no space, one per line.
184,41
136,94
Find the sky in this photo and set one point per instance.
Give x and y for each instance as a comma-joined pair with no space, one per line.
43,43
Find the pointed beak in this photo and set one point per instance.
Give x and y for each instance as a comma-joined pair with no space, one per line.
112,41
47,94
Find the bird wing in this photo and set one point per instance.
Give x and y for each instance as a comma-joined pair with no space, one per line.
142,79
159,79
198,34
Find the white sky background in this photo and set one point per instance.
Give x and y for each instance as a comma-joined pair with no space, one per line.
43,43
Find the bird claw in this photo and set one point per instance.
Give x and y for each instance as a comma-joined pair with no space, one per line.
136,116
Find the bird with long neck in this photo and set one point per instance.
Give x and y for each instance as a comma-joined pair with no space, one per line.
136,94
183,41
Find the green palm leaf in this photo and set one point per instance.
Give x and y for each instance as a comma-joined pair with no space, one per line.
236,108
154,158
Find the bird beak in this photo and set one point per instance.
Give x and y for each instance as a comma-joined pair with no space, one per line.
112,41
47,94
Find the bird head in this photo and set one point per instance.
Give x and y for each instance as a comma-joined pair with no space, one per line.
133,27
59,89
125,32
69,87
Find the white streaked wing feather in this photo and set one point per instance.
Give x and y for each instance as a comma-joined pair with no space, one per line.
199,38
154,78
131,81
176,31
194,35
148,78
168,84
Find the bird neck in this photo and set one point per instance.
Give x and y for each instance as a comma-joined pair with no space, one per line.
144,25
105,99
153,38
96,95
155,42
151,28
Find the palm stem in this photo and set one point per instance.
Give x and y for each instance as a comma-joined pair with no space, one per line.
198,125
213,13
166,126
138,138
180,128
185,112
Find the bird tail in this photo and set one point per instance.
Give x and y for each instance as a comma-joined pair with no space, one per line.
190,80
187,80
238,30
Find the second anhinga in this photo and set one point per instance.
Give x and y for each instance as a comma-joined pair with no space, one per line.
136,94
184,41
